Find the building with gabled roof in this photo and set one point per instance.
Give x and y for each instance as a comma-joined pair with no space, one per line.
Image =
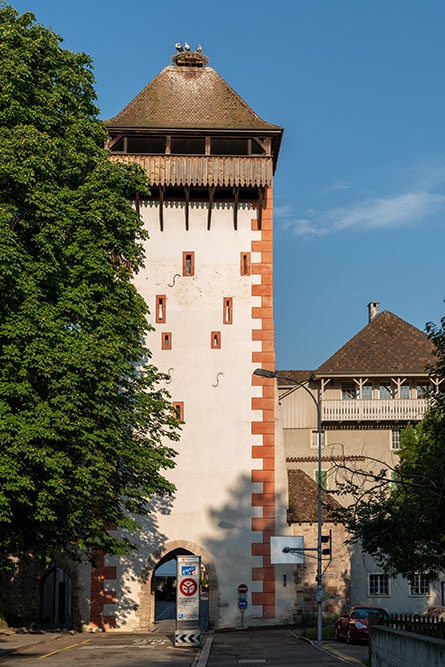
368,390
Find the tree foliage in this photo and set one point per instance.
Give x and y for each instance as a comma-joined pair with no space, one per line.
398,513
83,421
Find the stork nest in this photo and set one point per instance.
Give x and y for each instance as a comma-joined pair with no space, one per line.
190,59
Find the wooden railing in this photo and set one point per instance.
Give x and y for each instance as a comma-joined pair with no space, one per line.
405,409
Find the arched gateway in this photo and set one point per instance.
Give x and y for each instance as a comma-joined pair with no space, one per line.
170,550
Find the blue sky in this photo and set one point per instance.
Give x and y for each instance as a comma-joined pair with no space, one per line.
360,186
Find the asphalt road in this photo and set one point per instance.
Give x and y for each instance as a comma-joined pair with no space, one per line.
107,650
278,647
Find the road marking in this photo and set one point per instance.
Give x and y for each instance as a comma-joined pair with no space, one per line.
330,650
143,644
202,657
63,649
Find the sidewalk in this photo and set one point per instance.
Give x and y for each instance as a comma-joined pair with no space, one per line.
280,647
15,641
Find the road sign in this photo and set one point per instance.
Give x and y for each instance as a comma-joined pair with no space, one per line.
188,576
188,587
186,638
242,589
242,605
277,555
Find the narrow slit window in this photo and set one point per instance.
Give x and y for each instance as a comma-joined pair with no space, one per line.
215,340
178,411
166,338
188,263
227,310
160,308
245,264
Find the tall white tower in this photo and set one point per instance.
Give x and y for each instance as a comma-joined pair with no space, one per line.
208,284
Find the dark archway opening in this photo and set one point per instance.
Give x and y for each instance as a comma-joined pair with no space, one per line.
56,599
164,590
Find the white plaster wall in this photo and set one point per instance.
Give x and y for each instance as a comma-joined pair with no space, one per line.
212,504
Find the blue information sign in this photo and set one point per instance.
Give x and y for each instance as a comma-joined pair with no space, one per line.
242,605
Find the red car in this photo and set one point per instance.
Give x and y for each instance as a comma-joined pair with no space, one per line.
354,626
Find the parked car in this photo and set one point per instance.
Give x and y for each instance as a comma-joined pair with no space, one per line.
434,613
354,626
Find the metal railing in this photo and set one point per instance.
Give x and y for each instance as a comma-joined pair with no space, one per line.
421,625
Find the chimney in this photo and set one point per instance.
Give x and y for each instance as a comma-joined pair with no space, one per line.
373,310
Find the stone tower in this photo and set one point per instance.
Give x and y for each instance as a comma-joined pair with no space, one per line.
208,284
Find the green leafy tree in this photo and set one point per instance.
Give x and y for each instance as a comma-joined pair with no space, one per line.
83,420
398,512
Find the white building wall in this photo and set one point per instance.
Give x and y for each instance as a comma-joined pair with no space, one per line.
212,505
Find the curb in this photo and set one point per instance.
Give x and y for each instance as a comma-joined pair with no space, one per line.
332,651
8,651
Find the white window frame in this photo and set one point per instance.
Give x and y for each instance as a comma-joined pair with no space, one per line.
404,386
314,439
349,387
395,439
385,386
370,385
423,389
381,577
418,585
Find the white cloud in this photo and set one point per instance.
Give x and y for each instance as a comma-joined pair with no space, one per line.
397,210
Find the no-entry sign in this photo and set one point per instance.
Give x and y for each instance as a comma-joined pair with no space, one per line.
242,589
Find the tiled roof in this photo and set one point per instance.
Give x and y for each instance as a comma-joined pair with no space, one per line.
303,499
387,344
299,376
189,98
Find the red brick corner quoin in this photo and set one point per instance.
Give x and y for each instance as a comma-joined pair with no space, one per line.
100,597
266,427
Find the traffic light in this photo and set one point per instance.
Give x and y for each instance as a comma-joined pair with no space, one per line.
327,539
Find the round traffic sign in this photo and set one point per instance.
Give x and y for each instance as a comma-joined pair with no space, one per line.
242,605
188,587
242,589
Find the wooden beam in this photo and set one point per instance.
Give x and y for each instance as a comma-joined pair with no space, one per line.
110,143
260,206
161,207
209,215
187,205
168,144
138,203
207,145
235,207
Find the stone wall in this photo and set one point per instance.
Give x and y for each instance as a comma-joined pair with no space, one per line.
396,648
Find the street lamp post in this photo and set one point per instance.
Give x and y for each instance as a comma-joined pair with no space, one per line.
262,372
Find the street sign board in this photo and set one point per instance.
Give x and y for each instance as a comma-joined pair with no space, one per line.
278,556
188,578
242,604
242,589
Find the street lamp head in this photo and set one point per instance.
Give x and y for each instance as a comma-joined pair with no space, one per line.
262,372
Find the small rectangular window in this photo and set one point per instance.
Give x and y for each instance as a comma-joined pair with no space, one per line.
395,439
161,301
178,410
215,340
245,264
419,585
367,391
349,390
324,478
385,391
166,339
423,390
227,310
314,439
188,263
404,391
378,584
